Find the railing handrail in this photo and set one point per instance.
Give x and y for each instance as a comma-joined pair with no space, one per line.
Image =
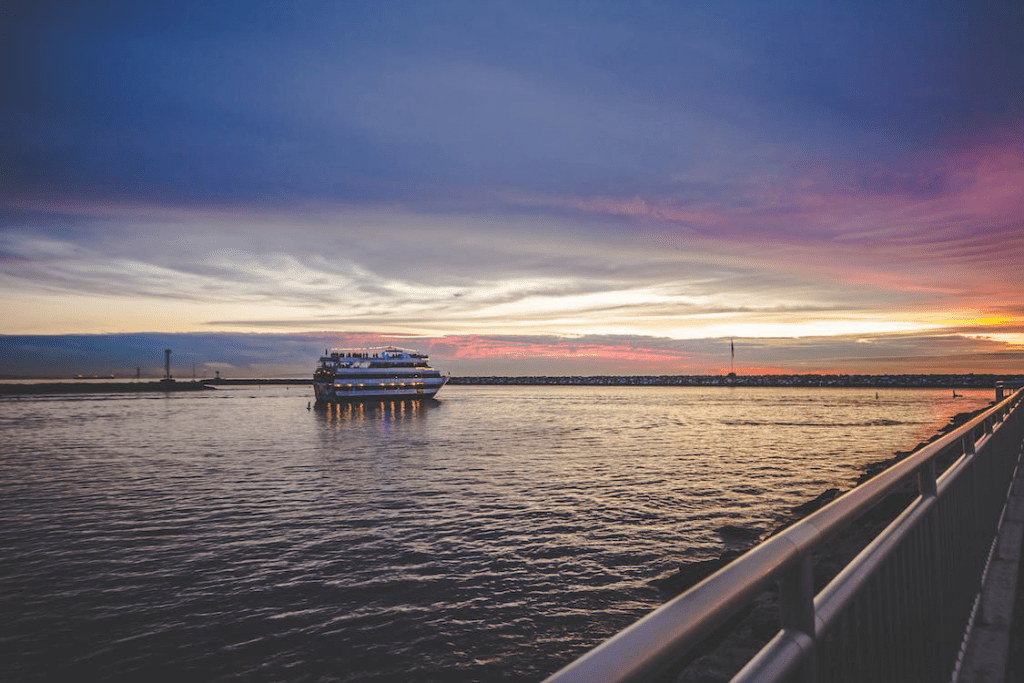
662,637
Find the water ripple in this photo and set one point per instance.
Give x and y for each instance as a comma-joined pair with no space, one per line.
497,533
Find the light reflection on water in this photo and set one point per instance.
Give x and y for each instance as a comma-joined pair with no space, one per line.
495,532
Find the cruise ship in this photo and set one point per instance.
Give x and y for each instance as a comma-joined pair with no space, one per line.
386,373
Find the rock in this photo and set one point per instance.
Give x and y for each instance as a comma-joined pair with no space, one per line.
692,573
734,532
810,506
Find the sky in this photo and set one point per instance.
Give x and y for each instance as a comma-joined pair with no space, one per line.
514,187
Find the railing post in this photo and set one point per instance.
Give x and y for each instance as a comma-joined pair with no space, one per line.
934,578
796,609
968,442
926,483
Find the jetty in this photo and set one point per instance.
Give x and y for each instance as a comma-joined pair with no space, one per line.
926,595
900,381
63,388
912,381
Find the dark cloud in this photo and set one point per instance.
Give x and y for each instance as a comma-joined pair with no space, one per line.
661,167
263,103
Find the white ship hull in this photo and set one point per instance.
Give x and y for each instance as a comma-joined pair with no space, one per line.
387,374
342,393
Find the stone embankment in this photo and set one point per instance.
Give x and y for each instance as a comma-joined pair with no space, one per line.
49,388
945,381
968,381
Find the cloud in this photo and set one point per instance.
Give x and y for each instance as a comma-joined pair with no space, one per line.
293,355
368,105
337,268
667,170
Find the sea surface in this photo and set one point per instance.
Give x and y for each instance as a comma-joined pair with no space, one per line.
494,534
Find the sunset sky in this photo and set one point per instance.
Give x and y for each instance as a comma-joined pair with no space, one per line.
514,187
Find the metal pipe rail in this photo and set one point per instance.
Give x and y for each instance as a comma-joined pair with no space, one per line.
897,612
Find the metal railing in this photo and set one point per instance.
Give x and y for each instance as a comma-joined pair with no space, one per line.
897,612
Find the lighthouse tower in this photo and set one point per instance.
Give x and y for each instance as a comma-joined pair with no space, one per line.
167,367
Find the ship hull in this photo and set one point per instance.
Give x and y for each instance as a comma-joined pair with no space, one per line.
328,393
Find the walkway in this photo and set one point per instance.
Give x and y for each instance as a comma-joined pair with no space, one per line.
995,647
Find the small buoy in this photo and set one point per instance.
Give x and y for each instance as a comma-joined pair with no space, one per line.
307,405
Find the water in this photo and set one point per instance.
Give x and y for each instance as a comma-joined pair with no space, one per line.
494,534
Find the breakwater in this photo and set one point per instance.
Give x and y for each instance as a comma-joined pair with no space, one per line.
908,381
903,381
245,381
48,388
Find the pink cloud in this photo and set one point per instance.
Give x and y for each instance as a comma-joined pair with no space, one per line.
951,351
952,225
962,346
480,347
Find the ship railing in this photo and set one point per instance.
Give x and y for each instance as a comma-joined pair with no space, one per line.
899,611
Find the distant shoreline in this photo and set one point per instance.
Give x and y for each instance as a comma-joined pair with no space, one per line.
43,388
21,386
907,381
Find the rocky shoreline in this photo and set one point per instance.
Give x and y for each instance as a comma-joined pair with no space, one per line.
719,658
64,388
905,381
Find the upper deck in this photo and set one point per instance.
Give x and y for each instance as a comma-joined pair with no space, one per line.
381,357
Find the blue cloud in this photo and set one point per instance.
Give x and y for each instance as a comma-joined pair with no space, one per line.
271,102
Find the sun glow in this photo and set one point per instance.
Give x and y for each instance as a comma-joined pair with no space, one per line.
1015,339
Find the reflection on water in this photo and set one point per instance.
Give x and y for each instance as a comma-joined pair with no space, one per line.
383,411
495,533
